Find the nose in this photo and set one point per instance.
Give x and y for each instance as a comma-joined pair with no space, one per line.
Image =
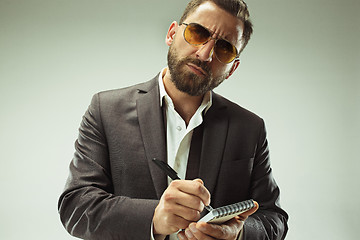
206,51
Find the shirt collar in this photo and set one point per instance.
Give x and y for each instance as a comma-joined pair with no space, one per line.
163,92
206,102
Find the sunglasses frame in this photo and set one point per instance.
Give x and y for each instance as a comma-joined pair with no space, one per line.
211,33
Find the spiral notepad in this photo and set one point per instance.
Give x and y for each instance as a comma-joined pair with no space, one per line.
225,213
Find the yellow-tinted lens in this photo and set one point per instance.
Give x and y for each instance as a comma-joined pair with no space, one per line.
225,51
196,34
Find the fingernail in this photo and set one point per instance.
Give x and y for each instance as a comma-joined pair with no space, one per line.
193,228
201,227
188,233
181,236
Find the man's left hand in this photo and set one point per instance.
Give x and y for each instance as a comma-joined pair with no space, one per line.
228,231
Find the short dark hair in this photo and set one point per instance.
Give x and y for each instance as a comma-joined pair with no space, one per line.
237,8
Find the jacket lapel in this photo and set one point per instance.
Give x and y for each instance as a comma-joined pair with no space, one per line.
215,132
152,130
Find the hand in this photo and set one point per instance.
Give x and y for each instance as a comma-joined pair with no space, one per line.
181,203
229,230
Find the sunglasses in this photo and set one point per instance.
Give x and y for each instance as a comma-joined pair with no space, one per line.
195,35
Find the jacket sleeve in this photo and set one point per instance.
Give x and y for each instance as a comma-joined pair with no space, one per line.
88,207
270,221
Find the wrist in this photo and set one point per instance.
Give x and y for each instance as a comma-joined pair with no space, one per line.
156,236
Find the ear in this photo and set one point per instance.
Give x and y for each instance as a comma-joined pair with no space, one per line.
171,33
234,67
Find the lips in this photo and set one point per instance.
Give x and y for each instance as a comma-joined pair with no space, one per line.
197,70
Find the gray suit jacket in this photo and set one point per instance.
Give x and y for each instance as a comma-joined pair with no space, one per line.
113,186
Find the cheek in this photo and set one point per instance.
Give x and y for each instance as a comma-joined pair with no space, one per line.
182,47
219,69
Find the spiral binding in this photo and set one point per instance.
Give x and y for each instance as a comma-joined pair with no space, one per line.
233,208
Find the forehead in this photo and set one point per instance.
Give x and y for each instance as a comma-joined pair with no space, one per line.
217,20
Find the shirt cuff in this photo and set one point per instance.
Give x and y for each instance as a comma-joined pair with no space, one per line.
157,237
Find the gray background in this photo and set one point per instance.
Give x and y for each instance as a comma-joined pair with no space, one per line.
300,72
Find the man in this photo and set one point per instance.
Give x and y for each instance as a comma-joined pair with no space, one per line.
114,190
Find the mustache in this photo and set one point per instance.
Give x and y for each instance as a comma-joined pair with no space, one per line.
203,65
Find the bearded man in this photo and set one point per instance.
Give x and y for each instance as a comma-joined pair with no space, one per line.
219,149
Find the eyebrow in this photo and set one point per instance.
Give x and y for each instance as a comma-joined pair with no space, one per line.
226,37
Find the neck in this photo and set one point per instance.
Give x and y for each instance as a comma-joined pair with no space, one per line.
185,104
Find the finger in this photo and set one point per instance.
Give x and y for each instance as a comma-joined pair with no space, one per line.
199,181
224,231
194,187
193,232
181,235
186,213
174,196
207,196
165,222
169,216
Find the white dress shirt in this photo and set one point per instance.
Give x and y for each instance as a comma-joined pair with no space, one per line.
178,135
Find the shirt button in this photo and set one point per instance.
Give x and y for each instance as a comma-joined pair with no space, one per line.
178,128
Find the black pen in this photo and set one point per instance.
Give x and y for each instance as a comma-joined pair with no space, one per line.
172,174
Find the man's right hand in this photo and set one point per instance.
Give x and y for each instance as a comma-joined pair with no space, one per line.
181,203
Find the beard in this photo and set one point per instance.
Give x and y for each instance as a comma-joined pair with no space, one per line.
187,81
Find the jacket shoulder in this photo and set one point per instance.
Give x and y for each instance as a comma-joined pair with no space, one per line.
235,110
127,93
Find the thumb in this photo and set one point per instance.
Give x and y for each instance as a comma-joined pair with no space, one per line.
199,181
206,194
